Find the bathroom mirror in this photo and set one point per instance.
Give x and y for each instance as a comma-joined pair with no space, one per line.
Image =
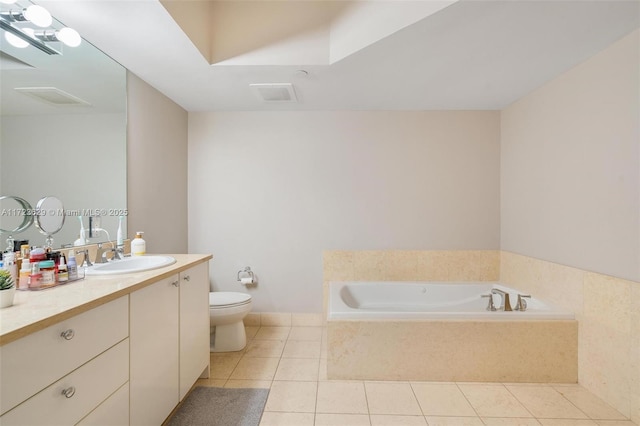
63,134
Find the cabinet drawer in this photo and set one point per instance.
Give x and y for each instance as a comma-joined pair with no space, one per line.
87,387
114,411
35,361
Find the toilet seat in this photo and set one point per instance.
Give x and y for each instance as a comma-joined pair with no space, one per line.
227,299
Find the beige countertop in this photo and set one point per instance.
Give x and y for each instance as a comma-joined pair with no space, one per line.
35,310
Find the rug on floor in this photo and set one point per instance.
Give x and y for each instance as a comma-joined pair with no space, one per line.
221,407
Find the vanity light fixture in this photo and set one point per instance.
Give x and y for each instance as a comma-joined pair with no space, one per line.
35,14
17,35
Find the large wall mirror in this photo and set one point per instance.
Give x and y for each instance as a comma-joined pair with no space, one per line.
62,134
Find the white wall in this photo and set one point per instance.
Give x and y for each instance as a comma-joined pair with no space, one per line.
570,159
272,190
156,168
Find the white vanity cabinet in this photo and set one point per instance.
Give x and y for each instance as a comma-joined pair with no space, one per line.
58,375
194,326
126,356
169,343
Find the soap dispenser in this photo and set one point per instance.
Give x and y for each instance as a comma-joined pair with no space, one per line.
138,245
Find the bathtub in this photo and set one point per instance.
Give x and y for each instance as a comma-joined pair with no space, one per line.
443,332
404,300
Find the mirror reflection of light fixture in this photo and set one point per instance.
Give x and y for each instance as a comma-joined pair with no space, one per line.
18,36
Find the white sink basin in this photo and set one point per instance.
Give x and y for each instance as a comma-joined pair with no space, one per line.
130,264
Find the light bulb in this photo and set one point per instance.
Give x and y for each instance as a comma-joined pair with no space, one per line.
69,36
38,15
15,41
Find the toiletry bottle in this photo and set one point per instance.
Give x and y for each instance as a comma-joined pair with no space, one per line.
72,267
48,271
63,272
25,271
37,254
120,234
138,245
35,279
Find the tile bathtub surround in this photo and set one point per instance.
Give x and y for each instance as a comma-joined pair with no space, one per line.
311,399
490,351
411,265
608,312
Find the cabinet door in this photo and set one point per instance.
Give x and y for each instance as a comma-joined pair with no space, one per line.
194,325
154,352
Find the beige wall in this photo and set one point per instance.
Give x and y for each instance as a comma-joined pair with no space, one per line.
156,168
570,191
570,183
273,190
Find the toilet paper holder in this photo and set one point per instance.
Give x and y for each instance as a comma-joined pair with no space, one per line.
246,276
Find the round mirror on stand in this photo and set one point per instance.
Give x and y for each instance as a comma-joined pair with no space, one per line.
17,216
49,218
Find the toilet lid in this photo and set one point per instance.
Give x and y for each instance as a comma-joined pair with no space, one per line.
228,298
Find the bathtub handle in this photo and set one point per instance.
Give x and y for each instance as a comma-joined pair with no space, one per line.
490,306
522,304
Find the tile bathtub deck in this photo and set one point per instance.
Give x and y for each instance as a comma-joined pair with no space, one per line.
292,363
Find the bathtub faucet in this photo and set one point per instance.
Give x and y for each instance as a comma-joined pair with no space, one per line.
490,306
504,304
522,304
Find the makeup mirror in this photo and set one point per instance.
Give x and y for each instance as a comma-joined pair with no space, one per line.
49,218
17,216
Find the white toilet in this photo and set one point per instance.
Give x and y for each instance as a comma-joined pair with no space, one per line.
226,312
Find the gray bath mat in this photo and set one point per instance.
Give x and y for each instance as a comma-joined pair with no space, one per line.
206,406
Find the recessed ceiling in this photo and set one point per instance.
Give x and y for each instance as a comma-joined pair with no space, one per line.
462,55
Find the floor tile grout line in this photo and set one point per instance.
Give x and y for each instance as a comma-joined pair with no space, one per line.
525,407
417,400
468,402
315,408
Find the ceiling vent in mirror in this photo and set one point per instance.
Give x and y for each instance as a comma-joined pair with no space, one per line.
52,96
275,92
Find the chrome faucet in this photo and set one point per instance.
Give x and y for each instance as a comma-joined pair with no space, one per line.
505,305
118,254
85,259
522,304
490,306
101,254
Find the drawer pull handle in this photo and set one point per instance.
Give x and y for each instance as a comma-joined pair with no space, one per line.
176,283
187,278
69,392
68,334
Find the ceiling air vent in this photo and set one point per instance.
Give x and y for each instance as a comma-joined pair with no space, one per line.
275,92
52,96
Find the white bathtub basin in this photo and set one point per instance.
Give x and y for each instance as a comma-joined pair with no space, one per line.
429,300
130,264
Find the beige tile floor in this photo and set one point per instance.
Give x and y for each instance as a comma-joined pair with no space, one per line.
292,363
